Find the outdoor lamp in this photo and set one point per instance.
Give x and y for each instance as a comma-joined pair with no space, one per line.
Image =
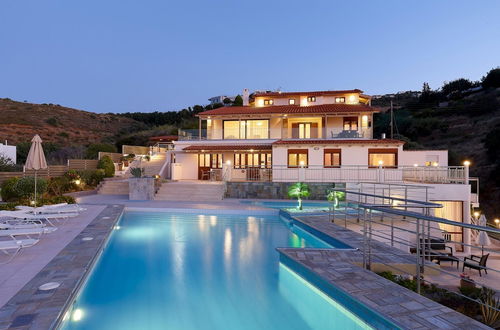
497,222
467,163
380,162
77,182
228,163
476,214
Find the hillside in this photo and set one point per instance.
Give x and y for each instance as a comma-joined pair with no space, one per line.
64,126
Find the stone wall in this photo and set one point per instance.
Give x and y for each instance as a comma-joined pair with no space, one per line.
141,189
273,190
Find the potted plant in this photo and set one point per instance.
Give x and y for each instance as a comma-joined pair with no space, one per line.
335,196
466,281
124,160
299,190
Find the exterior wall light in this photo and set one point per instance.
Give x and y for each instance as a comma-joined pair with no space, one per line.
467,163
380,162
497,222
476,215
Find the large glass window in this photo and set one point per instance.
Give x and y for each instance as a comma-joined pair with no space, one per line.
246,129
255,159
383,157
332,158
350,123
210,160
297,158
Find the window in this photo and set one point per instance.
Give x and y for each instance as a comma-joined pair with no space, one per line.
262,160
291,101
311,99
331,158
350,123
340,99
210,160
384,157
304,130
297,158
246,129
268,102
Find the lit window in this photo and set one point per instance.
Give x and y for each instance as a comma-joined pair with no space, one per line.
340,100
268,102
311,99
246,129
382,157
291,101
332,158
350,123
297,158
262,160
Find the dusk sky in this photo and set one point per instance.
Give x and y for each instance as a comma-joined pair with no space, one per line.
129,55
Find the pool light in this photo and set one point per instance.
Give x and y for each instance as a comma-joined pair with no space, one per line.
77,315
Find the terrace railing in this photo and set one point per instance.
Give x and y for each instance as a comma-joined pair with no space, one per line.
420,244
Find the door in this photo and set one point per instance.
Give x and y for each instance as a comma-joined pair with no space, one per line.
203,166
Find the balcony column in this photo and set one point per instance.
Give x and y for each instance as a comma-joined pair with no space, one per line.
325,132
199,128
239,127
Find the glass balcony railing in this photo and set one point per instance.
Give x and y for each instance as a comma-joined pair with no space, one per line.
265,133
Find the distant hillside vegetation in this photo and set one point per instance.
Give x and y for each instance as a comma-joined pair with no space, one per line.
19,121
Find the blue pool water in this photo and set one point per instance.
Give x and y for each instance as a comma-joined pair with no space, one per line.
187,271
286,204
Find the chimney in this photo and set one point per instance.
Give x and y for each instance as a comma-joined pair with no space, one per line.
383,136
246,97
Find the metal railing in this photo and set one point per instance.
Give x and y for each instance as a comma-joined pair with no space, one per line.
418,241
346,173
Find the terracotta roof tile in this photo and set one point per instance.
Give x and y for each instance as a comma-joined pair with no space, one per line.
289,109
311,93
334,142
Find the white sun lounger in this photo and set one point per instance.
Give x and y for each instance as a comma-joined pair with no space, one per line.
12,233
22,215
56,208
13,247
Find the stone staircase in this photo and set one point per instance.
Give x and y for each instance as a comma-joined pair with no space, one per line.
193,191
113,186
119,185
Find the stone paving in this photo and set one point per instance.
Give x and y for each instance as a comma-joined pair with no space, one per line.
341,268
32,308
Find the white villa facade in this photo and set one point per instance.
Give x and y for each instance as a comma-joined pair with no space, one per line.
316,137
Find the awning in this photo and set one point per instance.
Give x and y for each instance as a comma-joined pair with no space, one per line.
229,147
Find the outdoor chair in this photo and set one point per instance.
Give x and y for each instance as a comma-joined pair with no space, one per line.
476,262
12,247
437,251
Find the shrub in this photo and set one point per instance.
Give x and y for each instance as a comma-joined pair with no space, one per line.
137,172
7,189
60,185
6,165
492,79
52,121
107,165
72,175
63,134
58,200
8,207
92,178
25,187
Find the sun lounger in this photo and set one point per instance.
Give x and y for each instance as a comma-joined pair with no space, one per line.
22,215
29,232
13,247
57,208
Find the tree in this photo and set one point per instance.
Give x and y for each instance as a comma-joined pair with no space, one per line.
6,165
238,101
227,101
492,79
93,149
107,165
458,85
299,190
335,196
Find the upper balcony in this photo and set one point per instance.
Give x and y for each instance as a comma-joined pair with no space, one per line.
267,134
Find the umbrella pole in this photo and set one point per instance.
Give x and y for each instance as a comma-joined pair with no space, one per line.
35,191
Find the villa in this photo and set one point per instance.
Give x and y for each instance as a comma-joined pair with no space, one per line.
319,137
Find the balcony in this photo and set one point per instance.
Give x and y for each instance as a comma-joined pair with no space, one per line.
273,133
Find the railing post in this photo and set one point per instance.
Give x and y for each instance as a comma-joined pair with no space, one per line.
365,239
369,265
419,247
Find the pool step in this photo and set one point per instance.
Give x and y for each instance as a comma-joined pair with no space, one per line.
191,191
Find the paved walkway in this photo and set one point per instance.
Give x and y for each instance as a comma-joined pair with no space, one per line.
15,274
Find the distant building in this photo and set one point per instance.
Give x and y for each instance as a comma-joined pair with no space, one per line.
8,151
220,99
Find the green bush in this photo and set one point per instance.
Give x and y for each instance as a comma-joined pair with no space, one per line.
57,200
107,165
7,189
25,187
60,185
92,178
52,121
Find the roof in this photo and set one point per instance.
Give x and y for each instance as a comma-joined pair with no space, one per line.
333,142
164,138
289,109
311,93
228,147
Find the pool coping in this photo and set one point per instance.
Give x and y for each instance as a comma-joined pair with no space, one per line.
31,308
339,268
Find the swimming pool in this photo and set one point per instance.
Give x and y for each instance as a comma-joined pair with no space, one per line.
189,271
286,204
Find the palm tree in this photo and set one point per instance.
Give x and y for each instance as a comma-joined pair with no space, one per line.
299,190
335,196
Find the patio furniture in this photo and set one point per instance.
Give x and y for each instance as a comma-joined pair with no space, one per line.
16,246
205,175
56,208
476,262
23,216
28,232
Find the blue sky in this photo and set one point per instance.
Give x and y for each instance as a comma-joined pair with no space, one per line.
129,55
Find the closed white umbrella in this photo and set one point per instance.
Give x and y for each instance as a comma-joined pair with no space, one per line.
36,158
483,239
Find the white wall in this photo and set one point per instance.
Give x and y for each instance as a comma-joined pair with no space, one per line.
412,157
8,152
189,165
